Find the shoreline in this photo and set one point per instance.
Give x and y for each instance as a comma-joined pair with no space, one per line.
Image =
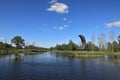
88,54
85,54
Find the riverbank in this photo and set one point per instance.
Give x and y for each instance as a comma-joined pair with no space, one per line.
67,53
88,53
26,51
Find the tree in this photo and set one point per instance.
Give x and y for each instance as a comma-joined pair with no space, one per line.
93,42
96,48
89,46
112,37
5,45
115,46
102,42
2,46
18,41
58,47
72,45
65,47
109,47
119,41
31,47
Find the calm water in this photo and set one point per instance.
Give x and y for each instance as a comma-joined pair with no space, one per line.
55,66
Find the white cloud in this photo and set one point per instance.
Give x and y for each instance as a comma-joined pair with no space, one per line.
115,24
59,8
66,26
62,27
65,19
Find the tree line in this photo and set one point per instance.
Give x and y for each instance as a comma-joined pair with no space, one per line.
71,46
101,43
17,42
112,44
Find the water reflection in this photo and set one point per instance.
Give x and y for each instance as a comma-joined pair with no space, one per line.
57,66
17,58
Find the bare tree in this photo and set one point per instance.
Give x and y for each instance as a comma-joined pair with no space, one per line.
93,42
112,38
99,43
102,41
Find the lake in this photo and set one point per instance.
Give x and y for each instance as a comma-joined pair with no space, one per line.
56,66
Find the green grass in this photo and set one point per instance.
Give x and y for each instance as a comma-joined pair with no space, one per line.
116,53
26,51
83,53
88,53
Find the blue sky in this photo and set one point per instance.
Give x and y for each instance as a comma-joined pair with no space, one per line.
51,22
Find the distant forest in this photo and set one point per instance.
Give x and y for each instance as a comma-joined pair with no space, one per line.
110,45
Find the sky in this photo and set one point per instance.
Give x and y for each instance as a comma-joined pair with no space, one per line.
49,22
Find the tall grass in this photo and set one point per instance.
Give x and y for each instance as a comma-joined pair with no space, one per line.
83,53
26,51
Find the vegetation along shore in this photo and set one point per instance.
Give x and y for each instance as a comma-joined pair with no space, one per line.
110,48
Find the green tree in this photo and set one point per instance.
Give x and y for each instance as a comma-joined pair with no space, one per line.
18,41
58,47
5,45
65,47
72,45
89,46
115,46
2,46
96,48
31,47
119,41
109,47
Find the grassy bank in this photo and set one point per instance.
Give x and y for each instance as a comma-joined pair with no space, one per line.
26,51
83,53
88,53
